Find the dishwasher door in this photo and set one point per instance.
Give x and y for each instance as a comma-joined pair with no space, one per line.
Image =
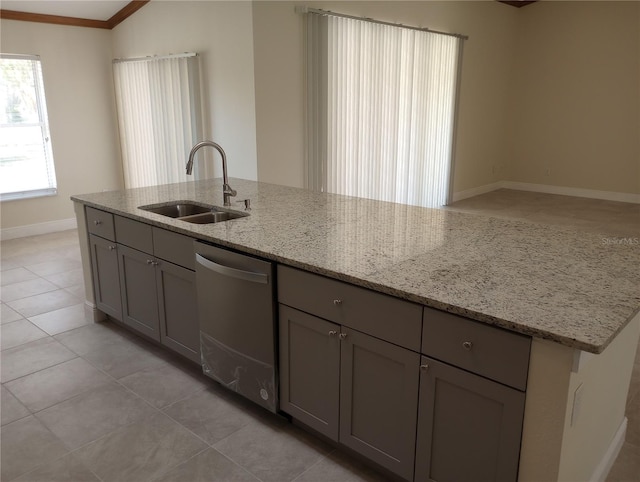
236,311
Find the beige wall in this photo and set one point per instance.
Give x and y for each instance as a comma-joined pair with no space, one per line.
221,32
76,66
576,96
488,59
550,86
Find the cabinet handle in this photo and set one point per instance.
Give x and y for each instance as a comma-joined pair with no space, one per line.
97,222
337,302
111,247
333,333
467,345
149,261
342,336
155,263
424,368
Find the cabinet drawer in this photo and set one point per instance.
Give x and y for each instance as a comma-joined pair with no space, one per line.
174,247
382,316
491,352
134,234
100,223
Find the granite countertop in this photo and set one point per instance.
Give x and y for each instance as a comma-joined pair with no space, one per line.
575,288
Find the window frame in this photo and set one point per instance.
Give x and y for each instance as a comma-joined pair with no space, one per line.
43,124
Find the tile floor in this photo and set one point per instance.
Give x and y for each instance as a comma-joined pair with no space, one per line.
93,402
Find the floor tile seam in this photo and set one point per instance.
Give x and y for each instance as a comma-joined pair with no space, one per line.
55,288
18,419
30,341
188,429
32,469
44,312
122,427
68,453
237,464
41,369
106,434
60,332
322,458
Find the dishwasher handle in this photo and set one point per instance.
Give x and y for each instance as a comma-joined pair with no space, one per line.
232,272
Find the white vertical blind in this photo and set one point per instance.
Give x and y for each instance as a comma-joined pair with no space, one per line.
390,103
159,117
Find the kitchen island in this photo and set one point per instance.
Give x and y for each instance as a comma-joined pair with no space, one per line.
575,294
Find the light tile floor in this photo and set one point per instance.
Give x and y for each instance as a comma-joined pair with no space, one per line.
93,402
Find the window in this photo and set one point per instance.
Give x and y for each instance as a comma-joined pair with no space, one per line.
381,103
158,100
26,158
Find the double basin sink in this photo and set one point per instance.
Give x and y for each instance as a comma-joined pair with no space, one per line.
191,212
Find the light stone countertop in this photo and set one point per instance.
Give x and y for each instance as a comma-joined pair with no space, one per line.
578,289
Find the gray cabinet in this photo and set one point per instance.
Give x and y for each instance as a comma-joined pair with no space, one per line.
310,370
379,400
106,277
158,297
139,291
143,276
469,427
472,384
351,387
178,315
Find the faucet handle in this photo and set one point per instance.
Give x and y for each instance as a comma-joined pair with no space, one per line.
247,204
228,190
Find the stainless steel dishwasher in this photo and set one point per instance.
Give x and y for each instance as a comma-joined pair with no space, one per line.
236,311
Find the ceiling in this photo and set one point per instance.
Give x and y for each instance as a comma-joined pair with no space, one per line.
94,13
94,10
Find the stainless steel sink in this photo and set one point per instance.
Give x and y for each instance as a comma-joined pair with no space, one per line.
212,217
177,210
193,213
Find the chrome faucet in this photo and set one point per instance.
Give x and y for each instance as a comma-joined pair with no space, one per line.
227,192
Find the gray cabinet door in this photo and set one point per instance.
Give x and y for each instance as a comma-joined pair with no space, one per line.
106,278
469,428
379,400
178,310
139,295
310,370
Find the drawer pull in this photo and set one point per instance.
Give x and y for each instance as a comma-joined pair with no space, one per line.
467,345
342,336
97,222
424,368
149,261
111,247
337,302
333,333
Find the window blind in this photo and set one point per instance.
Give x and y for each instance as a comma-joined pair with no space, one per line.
159,117
380,110
26,156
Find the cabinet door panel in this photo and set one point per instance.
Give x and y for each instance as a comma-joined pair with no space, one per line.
179,328
106,278
469,428
139,296
309,370
379,401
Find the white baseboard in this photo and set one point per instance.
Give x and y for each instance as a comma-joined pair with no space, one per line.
610,456
36,229
548,189
573,191
92,314
476,191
